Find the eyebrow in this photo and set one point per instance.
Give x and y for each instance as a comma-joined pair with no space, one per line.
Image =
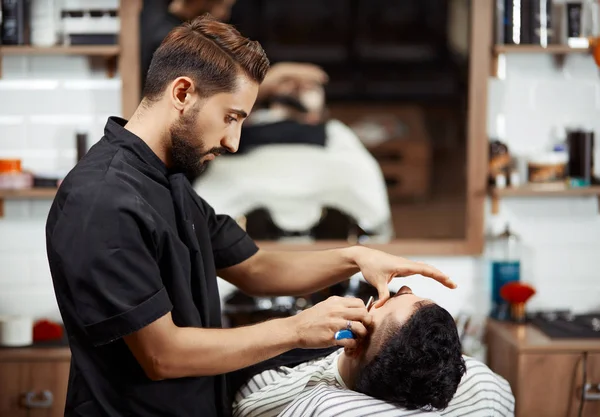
239,112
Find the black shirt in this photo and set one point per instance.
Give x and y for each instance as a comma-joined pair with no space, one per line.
127,242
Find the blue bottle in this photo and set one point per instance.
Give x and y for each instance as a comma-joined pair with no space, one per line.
504,257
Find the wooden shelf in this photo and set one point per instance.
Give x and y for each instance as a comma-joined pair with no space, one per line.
28,194
90,50
558,52
541,190
109,52
536,49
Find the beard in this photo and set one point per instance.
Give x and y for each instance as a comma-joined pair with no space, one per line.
187,150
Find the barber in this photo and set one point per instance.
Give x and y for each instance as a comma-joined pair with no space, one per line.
134,252
159,17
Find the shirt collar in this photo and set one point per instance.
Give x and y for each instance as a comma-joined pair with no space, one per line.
336,369
117,135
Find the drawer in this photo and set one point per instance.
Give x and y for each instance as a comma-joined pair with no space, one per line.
33,388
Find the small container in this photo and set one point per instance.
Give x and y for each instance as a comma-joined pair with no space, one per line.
12,177
500,181
515,178
547,167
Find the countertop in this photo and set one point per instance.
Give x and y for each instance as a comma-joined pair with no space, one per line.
526,337
53,350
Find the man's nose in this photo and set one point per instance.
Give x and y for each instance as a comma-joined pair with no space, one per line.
405,290
231,143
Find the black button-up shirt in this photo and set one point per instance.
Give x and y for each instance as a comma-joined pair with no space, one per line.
128,242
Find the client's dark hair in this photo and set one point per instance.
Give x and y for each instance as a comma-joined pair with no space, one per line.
420,363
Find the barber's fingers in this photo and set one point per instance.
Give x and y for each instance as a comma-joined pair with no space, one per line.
358,329
347,343
352,302
357,314
383,292
421,268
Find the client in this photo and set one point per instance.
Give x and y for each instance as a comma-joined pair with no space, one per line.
412,359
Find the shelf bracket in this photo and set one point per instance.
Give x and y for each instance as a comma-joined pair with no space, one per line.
111,66
495,203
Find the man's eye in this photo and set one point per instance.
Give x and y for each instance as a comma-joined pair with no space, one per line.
230,119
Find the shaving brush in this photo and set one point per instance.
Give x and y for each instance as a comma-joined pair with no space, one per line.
517,294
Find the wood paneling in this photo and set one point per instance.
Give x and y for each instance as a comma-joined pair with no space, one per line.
546,375
591,407
482,15
12,379
547,384
129,61
19,377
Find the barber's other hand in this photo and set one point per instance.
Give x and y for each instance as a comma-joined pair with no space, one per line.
316,326
296,71
379,268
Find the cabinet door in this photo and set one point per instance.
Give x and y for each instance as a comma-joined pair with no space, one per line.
12,378
33,388
547,384
591,406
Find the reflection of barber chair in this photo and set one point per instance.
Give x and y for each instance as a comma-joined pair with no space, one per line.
334,224
241,309
307,190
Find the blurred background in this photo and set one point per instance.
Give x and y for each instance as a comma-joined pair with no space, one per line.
456,132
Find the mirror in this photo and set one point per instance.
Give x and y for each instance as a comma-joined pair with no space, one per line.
380,153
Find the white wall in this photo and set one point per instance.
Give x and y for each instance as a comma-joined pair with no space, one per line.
43,100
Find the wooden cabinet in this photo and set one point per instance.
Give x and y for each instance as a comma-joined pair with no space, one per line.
33,382
549,377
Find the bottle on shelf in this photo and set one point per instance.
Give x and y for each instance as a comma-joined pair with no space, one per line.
504,251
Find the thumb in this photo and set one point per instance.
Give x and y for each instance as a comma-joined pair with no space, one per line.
384,293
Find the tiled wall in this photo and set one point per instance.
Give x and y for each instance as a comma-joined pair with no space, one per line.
44,100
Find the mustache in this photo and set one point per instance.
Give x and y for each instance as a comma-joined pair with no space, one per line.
216,151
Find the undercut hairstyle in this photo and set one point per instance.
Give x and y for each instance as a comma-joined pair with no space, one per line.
211,53
420,362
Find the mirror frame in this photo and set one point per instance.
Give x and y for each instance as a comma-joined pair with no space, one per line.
480,45
480,60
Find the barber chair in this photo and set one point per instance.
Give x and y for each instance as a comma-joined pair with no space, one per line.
333,225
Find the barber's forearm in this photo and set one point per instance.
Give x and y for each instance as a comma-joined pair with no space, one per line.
296,273
195,352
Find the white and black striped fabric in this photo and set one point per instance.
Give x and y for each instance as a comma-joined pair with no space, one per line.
315,389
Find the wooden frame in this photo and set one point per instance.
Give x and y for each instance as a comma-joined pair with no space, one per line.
480,49
129,62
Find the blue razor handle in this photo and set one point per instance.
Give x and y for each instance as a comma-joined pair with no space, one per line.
344,334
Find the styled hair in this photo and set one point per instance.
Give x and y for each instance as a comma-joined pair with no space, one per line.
211,53
419,364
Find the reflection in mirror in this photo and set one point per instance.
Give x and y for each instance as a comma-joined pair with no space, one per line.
376,154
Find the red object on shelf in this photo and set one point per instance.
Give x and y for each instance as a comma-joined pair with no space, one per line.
516,292
46,330
10,166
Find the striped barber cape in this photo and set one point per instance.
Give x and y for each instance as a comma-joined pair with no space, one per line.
315,388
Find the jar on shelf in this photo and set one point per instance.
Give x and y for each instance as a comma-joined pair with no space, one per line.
12,176
548,167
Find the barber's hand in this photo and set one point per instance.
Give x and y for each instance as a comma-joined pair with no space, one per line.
316,326
299,72
379,268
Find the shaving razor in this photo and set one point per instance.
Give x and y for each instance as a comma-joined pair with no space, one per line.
347,332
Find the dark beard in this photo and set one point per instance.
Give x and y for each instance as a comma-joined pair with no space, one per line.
186,157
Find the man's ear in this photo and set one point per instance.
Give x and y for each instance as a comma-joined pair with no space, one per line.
356,352
182,90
